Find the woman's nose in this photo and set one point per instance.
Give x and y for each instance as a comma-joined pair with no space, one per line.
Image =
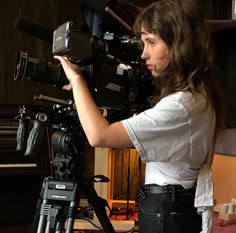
145,55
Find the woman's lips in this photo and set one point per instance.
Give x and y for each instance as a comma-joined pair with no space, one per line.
150,67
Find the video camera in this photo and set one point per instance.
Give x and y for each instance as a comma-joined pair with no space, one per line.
109,62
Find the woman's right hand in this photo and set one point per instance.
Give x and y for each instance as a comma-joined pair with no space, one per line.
71,70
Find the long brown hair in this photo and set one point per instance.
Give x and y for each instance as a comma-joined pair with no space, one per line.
180,24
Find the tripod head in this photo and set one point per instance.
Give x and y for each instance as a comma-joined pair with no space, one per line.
68,148
66,135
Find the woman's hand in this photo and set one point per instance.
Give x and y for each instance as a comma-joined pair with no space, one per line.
98,130
71,70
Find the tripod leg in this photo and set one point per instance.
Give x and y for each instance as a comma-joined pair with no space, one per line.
99,205
34,225
60,226
70,220
42,220
47,228
52,223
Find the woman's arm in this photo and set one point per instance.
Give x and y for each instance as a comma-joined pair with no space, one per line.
99,132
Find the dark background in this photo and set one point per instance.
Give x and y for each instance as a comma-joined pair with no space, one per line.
16,200
51,14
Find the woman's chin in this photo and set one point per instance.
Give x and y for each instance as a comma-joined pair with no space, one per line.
155,74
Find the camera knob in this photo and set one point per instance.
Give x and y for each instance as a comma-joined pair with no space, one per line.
42,117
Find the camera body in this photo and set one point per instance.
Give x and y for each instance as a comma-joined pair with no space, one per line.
109,63
70,43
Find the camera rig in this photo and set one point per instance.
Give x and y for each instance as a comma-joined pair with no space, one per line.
59,199
67,136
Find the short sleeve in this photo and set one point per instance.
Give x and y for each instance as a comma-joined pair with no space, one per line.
161,133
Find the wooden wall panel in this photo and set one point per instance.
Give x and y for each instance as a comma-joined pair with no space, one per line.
128,169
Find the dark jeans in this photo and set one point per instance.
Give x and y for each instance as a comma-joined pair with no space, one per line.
167,213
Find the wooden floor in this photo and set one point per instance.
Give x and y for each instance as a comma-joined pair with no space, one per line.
227,227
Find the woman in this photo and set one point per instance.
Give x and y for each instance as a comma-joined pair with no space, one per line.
175,138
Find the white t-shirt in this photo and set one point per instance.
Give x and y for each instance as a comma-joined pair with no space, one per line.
174,138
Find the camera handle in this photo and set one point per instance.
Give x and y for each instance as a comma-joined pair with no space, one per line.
36,135
22,134
23,130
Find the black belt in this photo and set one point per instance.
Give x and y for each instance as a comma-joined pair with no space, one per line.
158,189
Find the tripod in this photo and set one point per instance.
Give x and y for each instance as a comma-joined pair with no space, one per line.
60,195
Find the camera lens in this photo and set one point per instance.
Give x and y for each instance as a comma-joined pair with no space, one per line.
27,68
